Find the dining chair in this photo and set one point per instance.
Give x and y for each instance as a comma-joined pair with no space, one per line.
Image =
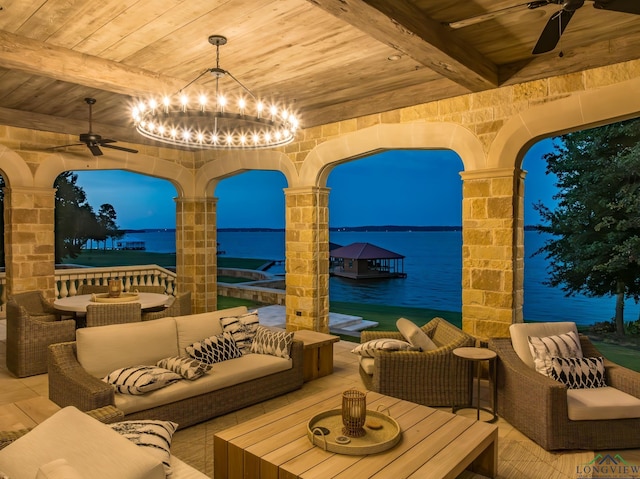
37,305
103,314
179,306
92,289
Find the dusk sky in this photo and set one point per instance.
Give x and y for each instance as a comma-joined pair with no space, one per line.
392,188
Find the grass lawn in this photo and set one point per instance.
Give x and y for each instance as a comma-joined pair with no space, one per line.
102,258
105,258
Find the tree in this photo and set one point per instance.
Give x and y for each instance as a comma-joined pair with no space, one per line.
107,221
75,221
595,228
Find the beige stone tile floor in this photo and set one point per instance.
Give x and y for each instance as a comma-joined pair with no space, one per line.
519,457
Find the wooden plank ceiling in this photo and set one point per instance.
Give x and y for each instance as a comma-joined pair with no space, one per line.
333,59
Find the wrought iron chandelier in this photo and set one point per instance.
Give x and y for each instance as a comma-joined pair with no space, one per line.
193,121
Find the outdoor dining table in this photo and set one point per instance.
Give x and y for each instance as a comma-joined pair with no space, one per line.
79,303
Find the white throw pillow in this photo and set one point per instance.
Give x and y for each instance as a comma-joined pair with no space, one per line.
154,437
414,335
560,346
371,348
140,379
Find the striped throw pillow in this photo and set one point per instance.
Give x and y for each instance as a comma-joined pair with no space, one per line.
137,380
242,328
151,435
565,345
371,348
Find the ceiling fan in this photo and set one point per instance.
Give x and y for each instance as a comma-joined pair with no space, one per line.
558,21
93,140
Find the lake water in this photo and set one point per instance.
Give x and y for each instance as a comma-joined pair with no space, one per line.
433,264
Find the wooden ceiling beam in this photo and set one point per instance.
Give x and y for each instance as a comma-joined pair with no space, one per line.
403,27
55,124
42,59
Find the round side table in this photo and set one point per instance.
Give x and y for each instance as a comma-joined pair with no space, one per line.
477,356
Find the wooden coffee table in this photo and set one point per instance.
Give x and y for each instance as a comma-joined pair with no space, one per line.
434,444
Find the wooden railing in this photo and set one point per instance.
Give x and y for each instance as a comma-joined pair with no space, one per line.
68,280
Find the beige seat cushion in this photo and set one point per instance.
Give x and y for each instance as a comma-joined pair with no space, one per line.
221,375
367,364
601,403
106,348
521,331
82,441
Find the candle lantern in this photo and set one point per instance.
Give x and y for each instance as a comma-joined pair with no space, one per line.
115,288
354,413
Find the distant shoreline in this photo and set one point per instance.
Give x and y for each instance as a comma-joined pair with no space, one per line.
384,228
371,228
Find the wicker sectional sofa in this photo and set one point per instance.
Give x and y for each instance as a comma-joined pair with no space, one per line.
76,369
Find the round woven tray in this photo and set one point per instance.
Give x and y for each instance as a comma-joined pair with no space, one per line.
374,441
123,298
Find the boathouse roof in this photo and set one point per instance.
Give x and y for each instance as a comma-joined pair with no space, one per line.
364,251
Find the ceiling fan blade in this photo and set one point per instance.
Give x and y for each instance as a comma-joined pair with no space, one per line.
553,31
121,148
625,6
65,146
106,140
95,150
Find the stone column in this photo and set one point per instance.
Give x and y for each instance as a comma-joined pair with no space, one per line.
196,251
29,239
492,251
307,258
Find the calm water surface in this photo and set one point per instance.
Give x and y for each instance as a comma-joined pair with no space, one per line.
433,263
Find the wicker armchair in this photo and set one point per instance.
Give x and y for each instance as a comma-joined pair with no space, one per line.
28,338
37,306
537,405
180,306
147,289
92,289
116,313
431,378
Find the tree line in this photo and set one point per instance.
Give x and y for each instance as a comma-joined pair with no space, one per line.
76,222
